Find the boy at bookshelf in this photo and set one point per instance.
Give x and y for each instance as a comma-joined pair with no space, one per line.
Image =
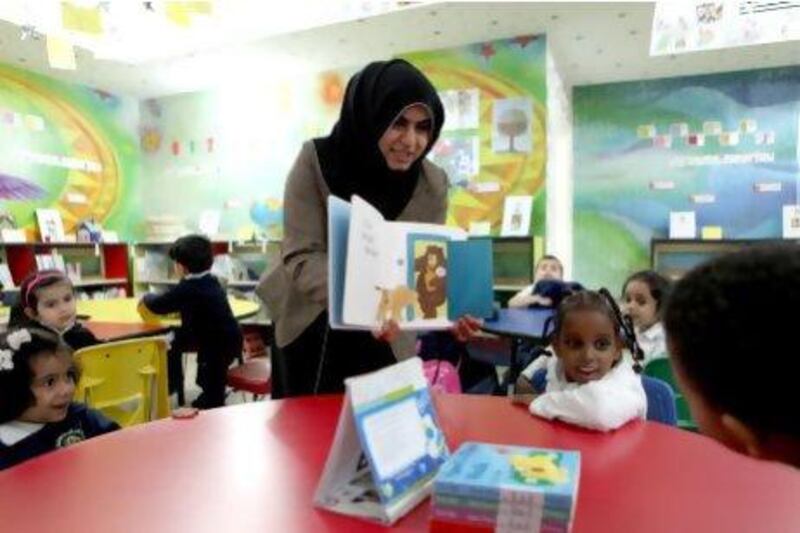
207,322
731,334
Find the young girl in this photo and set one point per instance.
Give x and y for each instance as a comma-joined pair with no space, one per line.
47,300
643,297
37,383
549,268
588,383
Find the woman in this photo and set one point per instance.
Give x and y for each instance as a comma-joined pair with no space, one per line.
390,119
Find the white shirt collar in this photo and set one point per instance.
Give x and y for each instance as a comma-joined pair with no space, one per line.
197,275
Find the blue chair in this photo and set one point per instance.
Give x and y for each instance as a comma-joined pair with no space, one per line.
660,401
660,398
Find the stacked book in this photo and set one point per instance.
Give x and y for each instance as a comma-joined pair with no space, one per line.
498,488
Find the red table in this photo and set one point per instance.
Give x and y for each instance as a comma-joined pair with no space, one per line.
254,467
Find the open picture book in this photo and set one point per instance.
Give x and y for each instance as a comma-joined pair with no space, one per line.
422,276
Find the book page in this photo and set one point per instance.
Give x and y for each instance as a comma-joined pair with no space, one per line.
395,436
365,264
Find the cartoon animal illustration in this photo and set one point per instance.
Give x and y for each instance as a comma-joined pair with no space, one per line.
538,469
393,302
431,268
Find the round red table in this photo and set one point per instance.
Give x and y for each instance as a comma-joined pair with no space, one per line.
254,467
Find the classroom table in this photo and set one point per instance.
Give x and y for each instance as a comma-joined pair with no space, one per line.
254,467
518,325
118,318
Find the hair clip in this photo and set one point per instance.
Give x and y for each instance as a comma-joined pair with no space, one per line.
6,360
17,338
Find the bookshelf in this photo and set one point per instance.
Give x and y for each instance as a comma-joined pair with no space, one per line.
672,258
96,269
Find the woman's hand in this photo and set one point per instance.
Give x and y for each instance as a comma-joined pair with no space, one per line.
465,328
388,331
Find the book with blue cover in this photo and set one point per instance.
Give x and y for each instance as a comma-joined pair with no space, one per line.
422,276
508,488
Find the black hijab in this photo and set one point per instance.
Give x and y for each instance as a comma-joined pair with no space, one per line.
350,159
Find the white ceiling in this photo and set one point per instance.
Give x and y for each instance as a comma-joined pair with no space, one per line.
593,42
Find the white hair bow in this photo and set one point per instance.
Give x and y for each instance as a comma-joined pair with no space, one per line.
17,338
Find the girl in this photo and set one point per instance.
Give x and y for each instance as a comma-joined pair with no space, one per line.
548,268
47,300
643,297
37,383
588,383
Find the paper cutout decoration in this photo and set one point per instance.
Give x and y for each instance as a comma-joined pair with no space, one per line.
388,446
711,233
791,222
60,53
682,225
517,216
81,19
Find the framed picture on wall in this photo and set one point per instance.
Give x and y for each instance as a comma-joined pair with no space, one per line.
51,227
791,222
517,216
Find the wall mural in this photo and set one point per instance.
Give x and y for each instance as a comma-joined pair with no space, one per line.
724,146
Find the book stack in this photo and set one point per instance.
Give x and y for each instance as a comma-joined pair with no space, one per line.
498,488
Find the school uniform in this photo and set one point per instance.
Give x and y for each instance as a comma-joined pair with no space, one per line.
208,325
604,404
20,441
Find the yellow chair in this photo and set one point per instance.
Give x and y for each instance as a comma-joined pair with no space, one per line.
126,380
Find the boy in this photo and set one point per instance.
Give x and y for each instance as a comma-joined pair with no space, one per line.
207,322
731,333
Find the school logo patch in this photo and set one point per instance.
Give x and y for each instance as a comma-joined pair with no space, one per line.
69,438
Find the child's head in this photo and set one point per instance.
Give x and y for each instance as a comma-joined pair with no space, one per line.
548,267
731,331
588,336
193,253
643,297
48,297
37,377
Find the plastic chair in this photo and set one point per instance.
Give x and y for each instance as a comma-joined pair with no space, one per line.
662,369
660,398
125,380
253,376
660,401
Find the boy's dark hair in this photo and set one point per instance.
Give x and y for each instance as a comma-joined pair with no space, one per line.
15,384
194,252
731,326
659,286
28,297
603,302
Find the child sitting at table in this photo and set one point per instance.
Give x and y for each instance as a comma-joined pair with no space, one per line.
548,268
47,300
37,384
643,296
588,383
207,321
731,332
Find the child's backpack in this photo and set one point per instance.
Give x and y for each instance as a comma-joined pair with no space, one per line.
442,376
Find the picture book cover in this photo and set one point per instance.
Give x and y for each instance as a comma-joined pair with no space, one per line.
422,276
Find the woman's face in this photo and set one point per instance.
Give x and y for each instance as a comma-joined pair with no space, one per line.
406,138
